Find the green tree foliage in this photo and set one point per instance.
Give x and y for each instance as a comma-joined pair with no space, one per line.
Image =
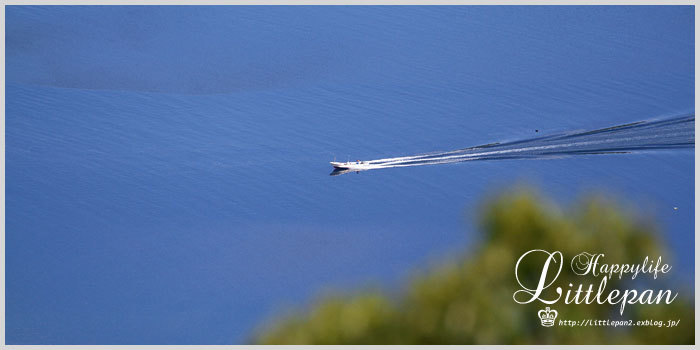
469,300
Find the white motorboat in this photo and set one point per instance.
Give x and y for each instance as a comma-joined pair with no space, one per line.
358,165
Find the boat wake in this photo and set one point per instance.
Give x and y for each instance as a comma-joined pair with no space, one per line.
676,132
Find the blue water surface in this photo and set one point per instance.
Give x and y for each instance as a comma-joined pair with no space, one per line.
167,167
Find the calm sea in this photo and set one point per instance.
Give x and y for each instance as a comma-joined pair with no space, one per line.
167,176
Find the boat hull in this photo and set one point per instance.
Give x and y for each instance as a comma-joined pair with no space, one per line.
351,165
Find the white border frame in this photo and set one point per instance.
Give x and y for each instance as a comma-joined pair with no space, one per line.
307,2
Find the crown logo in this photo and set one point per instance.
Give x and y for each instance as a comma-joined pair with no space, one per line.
547,316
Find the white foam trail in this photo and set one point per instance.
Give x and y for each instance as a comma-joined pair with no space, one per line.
677,132
534,148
